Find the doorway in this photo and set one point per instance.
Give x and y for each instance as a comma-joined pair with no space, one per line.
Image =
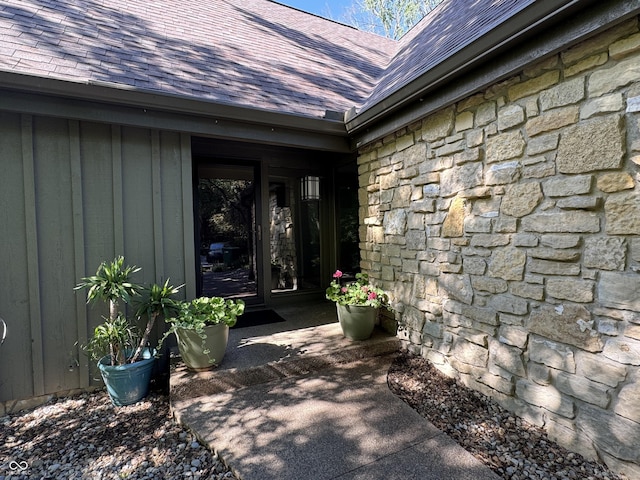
228,232
266,220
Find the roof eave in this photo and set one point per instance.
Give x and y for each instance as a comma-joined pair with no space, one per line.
120,95
524,23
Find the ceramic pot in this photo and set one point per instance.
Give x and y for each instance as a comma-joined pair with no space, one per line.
129,383
192,347
357,321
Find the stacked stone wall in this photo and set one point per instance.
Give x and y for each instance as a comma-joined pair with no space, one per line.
507,228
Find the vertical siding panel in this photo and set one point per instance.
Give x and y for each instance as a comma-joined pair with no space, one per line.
158,238
118,212
96,156
51,154
160,169
172,211
99,223
78,242
187,209
16,376
137,193
35,311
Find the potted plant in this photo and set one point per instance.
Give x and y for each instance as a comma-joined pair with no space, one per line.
158,303
201,327
124,358
357,304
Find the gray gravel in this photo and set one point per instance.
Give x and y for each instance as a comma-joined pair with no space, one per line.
87,438
511,447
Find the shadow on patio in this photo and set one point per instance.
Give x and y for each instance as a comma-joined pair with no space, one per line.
297,400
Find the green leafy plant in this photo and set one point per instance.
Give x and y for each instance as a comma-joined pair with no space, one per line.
116,337
112,284
157,302
203,311
359,292
113,337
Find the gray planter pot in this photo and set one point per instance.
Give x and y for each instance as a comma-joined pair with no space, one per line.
192,349
357,321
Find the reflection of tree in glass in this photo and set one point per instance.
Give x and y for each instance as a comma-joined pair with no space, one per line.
226,210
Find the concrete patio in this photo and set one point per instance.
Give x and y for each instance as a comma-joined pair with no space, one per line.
296,400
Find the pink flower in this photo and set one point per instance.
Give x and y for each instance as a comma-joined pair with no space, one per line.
338,274
343,289
372,296
365,288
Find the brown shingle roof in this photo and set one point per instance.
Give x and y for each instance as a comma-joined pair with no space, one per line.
253,53
257,53
453,25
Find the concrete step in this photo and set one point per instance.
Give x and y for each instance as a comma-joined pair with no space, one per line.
252,360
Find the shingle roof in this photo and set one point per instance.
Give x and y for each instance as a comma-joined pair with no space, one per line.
453,25
254,53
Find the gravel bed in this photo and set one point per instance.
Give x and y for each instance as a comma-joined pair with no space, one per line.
511,447
86,437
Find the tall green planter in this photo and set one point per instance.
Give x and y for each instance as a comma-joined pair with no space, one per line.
357,321
192,349
128,383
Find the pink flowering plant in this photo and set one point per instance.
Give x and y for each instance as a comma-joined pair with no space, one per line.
359,292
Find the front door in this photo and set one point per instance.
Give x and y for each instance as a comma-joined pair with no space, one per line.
230,262
265,221
295,241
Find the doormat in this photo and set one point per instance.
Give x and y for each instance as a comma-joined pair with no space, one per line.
259,317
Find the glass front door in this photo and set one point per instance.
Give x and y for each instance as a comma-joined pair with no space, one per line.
294,233
266,222
227,218
260,237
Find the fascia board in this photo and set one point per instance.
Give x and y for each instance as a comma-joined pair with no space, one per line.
120,95
147,117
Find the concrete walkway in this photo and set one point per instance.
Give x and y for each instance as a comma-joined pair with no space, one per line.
296,400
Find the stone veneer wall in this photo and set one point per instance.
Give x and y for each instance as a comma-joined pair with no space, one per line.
507,228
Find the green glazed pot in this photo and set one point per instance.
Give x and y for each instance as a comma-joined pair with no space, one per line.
192,351
357,321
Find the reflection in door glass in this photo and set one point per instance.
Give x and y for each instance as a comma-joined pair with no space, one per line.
294,237
227,217
310,243
347,219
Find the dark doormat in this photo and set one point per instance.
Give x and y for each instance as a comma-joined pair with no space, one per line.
259,317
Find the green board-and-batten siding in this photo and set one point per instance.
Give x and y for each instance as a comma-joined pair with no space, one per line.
72,194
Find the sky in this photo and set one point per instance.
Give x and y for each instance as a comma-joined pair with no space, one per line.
325,8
